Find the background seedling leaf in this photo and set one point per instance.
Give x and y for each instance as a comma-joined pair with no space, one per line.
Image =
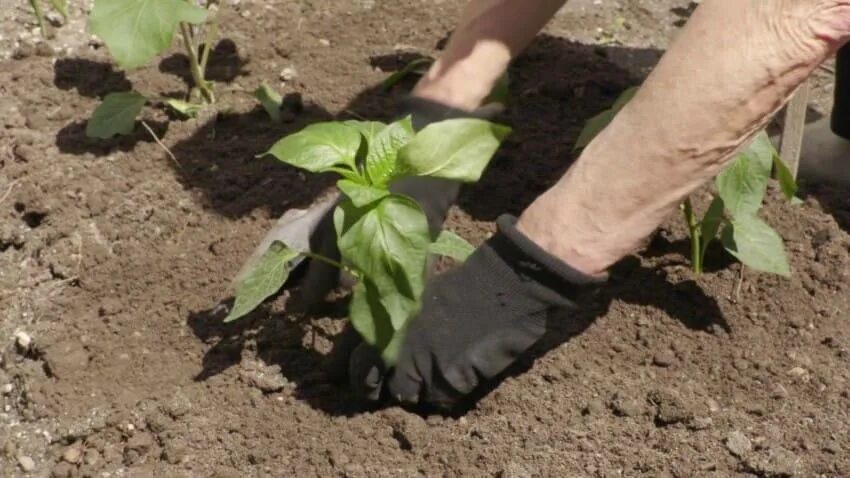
270,101
382,158
39,16
116,115
457,149
596,124
756,244
61,6
319,147
265,280
135,31
189,110
501,93
387,241
360,194
786,180
418,66
743,183
711,224
451,245
624,98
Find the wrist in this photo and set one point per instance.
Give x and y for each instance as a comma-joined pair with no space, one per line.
460,85
531,260
585,252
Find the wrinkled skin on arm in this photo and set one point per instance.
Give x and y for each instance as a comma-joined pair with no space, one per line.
732,66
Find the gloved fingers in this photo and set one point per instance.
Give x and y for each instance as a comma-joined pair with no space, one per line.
295,229
406,382
337,362
321,277
434,195
404,385
366,372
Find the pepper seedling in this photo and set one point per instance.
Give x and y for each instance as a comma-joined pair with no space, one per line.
733,212
136,31
383,237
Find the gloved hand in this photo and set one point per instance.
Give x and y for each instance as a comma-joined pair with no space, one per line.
312,229
474,322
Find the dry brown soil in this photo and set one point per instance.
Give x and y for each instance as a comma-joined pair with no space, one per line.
116,260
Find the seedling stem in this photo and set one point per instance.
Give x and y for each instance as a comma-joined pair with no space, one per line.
194,64
694,230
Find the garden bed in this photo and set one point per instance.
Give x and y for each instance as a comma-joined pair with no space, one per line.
114,260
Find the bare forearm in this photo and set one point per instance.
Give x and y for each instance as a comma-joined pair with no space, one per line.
732,66
489,35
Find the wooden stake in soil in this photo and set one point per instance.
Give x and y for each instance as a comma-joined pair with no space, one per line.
792,132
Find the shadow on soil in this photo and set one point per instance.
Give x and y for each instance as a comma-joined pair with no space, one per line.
96,79
834,201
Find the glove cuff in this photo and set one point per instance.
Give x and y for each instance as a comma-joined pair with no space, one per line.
537,267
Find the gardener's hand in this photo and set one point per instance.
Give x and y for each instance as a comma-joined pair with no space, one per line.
474,322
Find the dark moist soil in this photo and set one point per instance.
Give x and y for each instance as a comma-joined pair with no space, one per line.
115,259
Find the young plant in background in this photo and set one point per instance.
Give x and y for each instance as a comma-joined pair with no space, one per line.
733,212
60,6
500,95
136,31
273,102
383,238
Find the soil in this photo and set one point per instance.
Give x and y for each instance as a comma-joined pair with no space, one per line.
116,260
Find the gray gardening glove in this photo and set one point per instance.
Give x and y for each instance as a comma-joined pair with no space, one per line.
312,229
475,321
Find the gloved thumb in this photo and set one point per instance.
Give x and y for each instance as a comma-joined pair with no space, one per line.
366,372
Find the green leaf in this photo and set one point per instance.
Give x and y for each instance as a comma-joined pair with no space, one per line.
786,180
361,194
451,245
265,280
189,110
762,150
368,315
743,183
593,127
382,158
367,128
501,92
624,98
596,124
756,245
457,149
116,115
372,322
135,31
417,66
387,241
319,147
270,100
710,224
